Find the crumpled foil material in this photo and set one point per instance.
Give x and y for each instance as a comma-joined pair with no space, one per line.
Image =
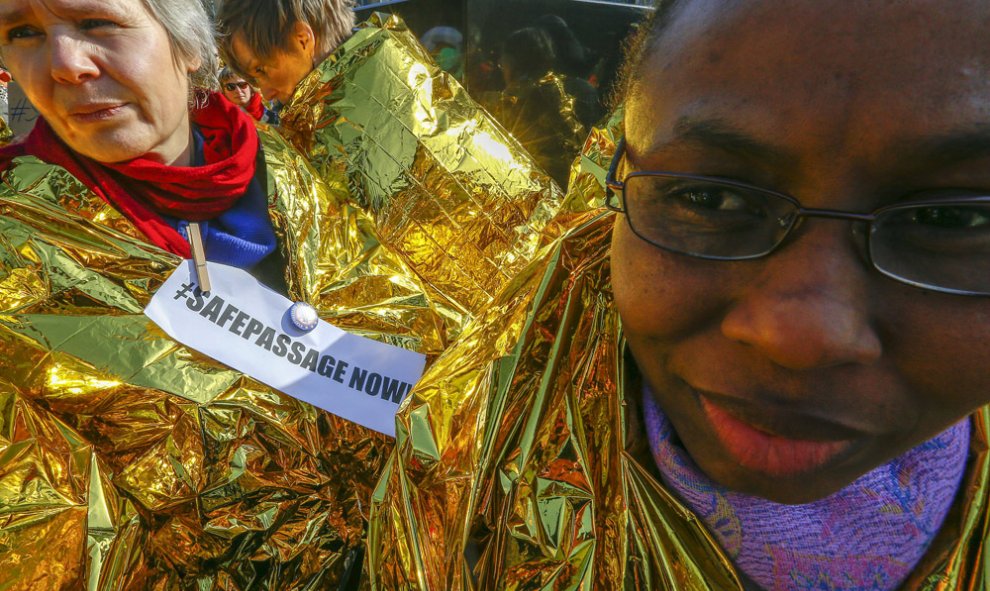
551,484
540,114
6,133
448,189
128,461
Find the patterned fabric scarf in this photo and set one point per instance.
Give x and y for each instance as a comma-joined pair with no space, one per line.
868,535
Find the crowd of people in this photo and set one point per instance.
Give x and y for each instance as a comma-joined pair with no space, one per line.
744,350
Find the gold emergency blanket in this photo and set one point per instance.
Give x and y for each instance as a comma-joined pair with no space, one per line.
6,133
521,462
128,461
448,188
540,114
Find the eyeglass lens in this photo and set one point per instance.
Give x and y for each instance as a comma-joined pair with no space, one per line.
938,246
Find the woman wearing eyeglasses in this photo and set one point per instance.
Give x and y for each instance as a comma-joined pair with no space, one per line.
767,367
241,93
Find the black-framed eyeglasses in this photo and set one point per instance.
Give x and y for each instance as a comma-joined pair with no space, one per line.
232,86
942,245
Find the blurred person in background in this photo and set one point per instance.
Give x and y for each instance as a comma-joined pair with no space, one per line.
535,106
446,45
448,190
240,92
575,63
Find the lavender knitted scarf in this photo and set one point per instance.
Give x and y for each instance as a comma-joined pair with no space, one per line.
868,535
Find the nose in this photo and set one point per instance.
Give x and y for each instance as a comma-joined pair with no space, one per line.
808,306
71,59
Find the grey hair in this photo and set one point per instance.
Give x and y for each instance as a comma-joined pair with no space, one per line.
190,35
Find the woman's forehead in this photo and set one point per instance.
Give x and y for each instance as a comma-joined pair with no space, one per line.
12,11
821,67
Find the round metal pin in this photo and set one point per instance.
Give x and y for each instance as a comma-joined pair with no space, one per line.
304,316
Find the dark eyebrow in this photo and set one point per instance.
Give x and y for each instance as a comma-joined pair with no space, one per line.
718,133
948,149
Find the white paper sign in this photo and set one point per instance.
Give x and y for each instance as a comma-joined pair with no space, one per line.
246,326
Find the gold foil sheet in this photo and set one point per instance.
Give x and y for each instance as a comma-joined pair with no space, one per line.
520,463
540,114
128,461
6,133
446,186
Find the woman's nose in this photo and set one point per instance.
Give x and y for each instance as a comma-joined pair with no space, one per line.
809,305
71,59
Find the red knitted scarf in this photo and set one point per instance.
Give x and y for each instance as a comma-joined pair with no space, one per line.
144,190
255,107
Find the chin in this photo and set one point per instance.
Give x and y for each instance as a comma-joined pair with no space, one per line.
798,489
114,151
108,145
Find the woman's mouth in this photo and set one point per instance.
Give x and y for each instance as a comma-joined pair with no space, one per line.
770,453
97,113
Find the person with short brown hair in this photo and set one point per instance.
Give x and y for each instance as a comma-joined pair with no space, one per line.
290,36
448,188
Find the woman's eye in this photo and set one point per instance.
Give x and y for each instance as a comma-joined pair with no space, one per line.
22,32
950,217
716,199
96,23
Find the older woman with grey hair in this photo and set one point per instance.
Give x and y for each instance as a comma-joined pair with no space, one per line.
128,459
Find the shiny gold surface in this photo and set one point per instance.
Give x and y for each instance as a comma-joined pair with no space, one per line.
128,461
447,188
540,114
520,464
6,133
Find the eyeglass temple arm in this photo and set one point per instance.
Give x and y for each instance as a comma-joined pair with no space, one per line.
610,181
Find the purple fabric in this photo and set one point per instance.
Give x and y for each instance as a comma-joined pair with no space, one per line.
868,535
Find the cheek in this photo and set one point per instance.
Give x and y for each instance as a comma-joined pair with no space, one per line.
170,103
942,346
161,80
30,71
660,295
297,69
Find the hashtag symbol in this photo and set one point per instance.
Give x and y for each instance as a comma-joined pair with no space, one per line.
184,291
17,112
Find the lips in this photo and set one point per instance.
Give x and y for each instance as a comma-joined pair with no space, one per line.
96,111
774,443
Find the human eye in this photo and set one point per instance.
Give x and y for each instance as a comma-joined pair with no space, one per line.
939,229
952,216
21,32
713,198
705,203
96,23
